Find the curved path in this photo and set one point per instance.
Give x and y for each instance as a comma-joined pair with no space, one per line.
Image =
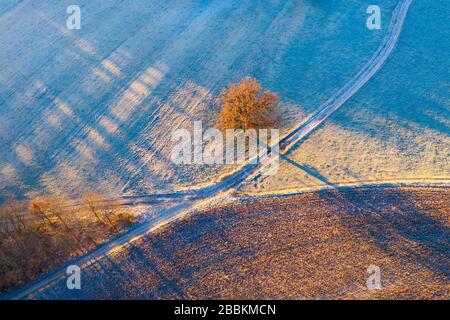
196,196
302,130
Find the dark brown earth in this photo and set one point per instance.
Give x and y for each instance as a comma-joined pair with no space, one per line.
309,246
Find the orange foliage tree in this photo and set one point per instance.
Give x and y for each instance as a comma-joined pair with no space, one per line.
246,106
40,207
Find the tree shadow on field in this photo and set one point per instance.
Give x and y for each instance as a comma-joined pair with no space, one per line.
396,225
309,170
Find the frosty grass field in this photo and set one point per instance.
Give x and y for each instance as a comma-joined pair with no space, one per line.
93,109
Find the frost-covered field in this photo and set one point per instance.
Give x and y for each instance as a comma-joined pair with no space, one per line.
94,108
397,128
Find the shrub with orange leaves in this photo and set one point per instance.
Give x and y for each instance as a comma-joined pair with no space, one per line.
53,230
40,207
106,211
